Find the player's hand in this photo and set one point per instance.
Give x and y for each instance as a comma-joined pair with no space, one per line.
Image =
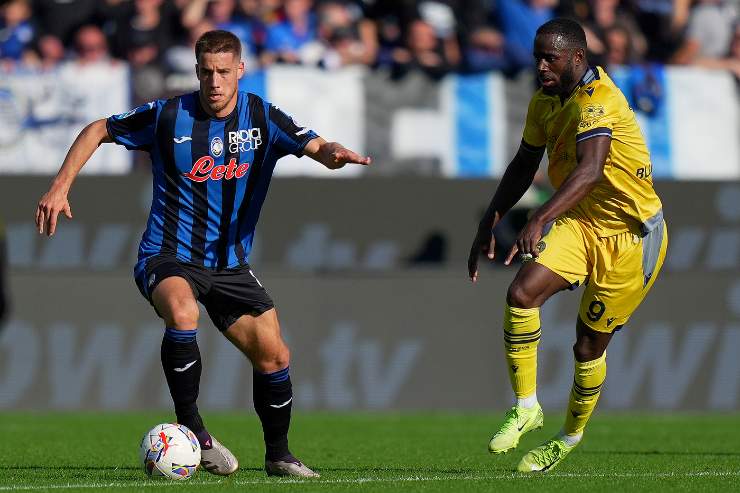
51,204
483,244
526,243
340,156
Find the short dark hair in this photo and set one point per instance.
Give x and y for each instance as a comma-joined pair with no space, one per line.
570,30
218,41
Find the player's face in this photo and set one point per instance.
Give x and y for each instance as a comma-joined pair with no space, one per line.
557,65
219,75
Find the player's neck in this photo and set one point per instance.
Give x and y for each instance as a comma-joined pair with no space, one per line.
223,112
577,80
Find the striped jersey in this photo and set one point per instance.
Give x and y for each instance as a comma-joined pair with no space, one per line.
625,199
211,175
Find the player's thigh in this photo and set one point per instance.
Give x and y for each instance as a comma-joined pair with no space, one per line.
171,289
610,299
174,301
563,263
259,338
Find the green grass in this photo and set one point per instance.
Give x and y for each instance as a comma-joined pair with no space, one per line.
379,452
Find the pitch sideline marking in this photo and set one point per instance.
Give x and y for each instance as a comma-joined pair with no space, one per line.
136,483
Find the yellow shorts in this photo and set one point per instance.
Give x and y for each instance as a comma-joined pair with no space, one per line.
618,270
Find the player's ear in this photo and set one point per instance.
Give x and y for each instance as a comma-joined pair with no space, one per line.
240,70
580,55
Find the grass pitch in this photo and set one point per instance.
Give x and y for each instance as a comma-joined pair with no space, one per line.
379,452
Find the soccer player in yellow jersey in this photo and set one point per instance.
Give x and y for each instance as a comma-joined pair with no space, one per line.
603,228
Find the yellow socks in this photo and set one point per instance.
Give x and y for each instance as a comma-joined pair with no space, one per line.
521,337
589,376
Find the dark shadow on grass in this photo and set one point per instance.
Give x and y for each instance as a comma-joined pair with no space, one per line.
660,452
71,468
408,470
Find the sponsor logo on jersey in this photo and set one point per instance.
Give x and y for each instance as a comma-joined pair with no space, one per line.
245,140
205,168
217,146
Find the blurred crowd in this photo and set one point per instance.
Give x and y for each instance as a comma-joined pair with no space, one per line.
156,37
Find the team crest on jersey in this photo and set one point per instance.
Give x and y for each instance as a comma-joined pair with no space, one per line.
217,146
590,114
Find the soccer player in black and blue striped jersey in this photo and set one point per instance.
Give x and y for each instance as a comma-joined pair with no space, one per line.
213,153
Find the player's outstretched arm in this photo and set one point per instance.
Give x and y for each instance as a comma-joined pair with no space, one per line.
591,156
333,155
55,199
516,180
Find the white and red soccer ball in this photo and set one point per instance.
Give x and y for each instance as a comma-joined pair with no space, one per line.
170,450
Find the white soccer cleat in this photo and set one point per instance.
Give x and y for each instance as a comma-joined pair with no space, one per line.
218,459
289,467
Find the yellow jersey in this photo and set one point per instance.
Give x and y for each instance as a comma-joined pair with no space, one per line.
625,199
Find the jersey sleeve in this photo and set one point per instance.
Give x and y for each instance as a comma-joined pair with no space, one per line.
287,135
533,137
598,115
135,129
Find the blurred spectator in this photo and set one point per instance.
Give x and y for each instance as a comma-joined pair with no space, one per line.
339,30
663,23
423,51
16,30
519,21
180,59
294,40
441,15
91,46
246,25
63,18
606,16
486,50
145,31
709,36
390,19
619,46
48,52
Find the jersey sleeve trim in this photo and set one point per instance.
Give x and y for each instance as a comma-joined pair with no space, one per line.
594,132
531,148
293,138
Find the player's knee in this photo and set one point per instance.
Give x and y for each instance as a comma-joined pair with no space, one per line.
584,350
274,361
519,296
183,315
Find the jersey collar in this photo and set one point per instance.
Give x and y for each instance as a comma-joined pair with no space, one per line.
592,74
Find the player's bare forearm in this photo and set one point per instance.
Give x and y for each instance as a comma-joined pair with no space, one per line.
55,200
88,140
591,156
516,180
333,155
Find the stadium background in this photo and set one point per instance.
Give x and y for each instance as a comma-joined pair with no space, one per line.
368,270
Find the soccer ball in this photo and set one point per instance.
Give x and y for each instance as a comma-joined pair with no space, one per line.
170,450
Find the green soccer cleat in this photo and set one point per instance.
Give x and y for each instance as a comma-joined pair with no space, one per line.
545,457
518,421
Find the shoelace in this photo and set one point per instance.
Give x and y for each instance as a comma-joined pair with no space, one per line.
511,420
549,453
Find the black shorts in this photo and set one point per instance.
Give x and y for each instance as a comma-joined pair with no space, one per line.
227,294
